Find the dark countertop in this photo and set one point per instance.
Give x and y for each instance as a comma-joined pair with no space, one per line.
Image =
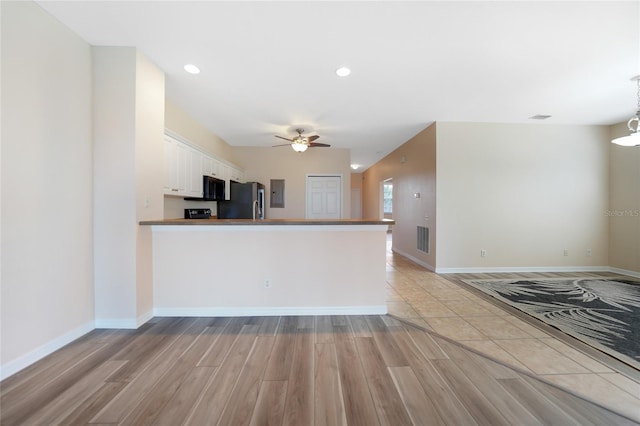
214,221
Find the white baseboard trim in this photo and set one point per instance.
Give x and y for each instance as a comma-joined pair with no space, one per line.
415,260
128,323
634,274
12,367
493,269
125,323
270,311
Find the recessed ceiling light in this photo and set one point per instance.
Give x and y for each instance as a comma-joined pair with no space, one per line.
192,69
343,71
355,166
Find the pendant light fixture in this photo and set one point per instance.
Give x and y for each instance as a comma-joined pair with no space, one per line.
633,125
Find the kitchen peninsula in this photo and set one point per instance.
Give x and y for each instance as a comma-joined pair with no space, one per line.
240,267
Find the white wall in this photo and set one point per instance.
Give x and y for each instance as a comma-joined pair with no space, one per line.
523,193
128,137
624,204
149,174
178,121
264,164
47,272
114,82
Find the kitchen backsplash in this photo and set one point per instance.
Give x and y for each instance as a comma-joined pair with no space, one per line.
174,206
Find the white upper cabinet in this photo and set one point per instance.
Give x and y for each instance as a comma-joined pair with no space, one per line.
194,172
185,165
176,162
182,167
170,165
211,166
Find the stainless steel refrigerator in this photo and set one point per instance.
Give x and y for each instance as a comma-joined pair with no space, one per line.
246,201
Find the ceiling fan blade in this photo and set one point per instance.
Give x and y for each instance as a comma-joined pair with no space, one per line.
284,144
282,137
312,138
319,145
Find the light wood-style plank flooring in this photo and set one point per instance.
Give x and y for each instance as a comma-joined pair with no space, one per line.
326,370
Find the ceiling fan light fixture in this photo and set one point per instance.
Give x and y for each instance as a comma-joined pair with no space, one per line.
299,146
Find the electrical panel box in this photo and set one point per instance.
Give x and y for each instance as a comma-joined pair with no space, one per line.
277,193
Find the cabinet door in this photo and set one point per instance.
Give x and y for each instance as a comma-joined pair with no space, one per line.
170,164
217,171
236,174
178,159
210,166
182,157
175,167
194,173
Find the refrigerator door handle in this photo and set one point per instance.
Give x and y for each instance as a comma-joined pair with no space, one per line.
261,203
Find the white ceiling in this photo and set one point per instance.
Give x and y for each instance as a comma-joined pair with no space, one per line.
268,67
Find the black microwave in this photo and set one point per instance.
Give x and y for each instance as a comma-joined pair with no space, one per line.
212,189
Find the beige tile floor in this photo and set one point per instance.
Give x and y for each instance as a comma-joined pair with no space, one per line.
431,301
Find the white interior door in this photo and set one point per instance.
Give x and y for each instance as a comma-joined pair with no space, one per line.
324,197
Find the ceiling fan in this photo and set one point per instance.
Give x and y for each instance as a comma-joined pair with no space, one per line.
301,143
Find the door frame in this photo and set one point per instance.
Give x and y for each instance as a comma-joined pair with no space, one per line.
306,192
382,212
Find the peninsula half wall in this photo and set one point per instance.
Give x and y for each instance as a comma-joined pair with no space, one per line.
272,267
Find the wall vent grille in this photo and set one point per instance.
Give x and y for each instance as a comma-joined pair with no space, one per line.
423,239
